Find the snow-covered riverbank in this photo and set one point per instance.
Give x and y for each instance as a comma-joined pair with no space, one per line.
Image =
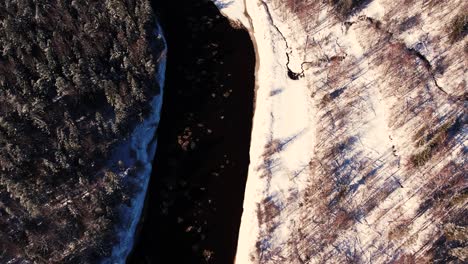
138,151
283,121
356,133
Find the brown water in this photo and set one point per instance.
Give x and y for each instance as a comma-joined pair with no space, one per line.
195,197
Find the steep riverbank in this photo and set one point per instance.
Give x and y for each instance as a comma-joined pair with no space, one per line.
142,142
194,201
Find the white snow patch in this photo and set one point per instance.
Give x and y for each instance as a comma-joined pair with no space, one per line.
351,43
234,9
375,9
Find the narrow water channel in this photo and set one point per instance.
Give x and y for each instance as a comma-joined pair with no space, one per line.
194,201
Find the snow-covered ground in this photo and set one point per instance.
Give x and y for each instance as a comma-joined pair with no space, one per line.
142,142
333,175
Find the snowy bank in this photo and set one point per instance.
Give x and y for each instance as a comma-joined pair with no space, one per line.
358,128
283,123
142,142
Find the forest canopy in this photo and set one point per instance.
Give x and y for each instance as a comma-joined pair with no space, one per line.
75,79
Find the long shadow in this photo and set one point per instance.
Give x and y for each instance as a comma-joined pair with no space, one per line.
195,197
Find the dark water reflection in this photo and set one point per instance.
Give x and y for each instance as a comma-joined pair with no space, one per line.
195,197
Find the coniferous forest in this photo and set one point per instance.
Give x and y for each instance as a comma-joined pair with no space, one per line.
75,78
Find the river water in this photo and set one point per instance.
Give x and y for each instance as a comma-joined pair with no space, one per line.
194,201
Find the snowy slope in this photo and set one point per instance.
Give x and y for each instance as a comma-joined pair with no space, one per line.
357,154
142,142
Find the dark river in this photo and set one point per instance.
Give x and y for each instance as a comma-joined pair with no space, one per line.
194,201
